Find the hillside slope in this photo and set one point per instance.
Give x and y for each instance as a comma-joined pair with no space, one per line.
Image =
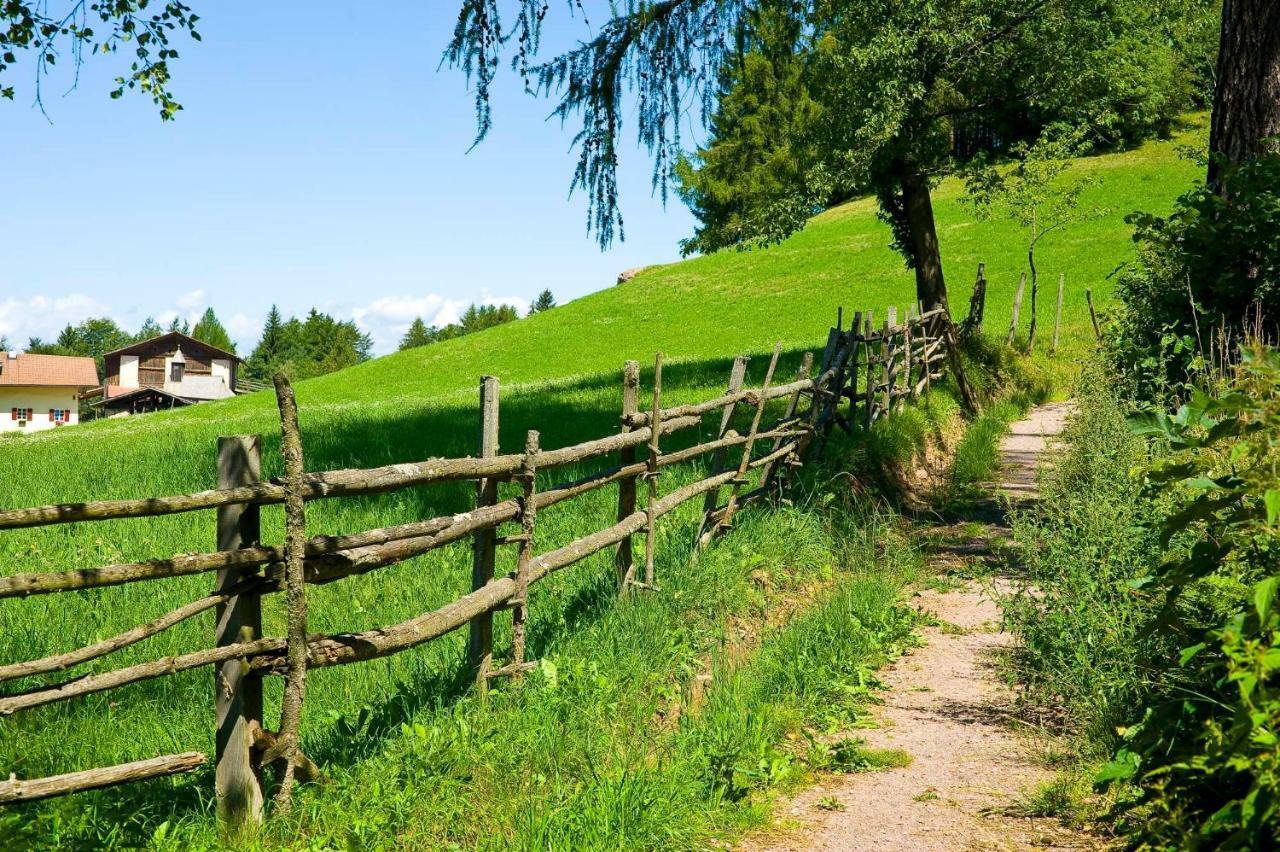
560,373
730,302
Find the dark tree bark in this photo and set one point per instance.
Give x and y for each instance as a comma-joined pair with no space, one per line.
931,288
1246,102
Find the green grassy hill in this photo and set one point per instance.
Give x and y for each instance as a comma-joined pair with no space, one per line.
560,372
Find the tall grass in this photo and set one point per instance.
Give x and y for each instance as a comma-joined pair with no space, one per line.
1083,644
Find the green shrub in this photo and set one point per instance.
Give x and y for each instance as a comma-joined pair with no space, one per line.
1207,759
1211,267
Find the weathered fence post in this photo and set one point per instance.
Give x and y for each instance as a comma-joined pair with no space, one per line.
737,375
237,693
651,476
1057,314
625,556
1093,315
872,349
886,363
972,324
528,517
1017,309
726,520
908,366
480,640
793,405
295,541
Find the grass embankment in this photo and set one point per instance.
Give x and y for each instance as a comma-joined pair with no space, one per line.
560,375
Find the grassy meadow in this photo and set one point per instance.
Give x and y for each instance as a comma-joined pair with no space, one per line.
592,743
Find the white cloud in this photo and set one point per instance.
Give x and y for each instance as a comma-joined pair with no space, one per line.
191,301
45,317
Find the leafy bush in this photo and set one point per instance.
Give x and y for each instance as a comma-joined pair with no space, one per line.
1207,760
1207,269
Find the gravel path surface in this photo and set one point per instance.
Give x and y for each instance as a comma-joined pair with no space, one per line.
946,706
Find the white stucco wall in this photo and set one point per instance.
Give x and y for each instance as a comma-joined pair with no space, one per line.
128,371
39,400
222,370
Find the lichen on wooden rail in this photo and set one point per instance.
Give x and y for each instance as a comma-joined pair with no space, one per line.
15,790
337,483
340,649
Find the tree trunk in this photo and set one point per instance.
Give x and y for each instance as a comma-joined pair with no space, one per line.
1246,102
931,288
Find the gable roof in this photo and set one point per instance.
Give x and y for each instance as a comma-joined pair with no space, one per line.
65,371
178,339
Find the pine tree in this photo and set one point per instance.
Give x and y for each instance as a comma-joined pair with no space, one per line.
210,330
180,325
272,352
419,334
150,328
544,302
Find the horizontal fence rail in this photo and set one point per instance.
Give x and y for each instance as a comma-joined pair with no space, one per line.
864,374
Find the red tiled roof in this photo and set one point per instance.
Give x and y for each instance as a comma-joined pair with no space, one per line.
47,371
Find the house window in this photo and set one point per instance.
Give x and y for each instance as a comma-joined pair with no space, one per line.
59,416
22,416
176,370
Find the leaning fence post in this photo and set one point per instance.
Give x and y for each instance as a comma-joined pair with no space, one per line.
237,693
793,405
480,641
737,374
295,543
1093,315
762,400
624,559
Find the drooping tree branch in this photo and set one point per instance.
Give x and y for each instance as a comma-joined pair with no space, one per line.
668,54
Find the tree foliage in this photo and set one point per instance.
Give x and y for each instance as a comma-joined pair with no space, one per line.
210,330
887,89
306,348
544,301
474,318
1206,274
48,32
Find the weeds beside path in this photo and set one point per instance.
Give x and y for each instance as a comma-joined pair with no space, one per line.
972,780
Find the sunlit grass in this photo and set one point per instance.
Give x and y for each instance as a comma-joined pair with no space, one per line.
560,373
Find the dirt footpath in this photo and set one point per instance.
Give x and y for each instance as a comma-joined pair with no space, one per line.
945,705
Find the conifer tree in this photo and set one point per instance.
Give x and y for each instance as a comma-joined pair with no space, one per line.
544,302
210,330
419,334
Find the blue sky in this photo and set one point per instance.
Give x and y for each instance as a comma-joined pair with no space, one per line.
321,160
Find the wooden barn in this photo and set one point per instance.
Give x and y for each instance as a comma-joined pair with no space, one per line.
168,371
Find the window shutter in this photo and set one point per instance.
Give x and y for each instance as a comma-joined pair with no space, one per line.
15,414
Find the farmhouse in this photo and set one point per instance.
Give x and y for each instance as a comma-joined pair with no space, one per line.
42,391
168,371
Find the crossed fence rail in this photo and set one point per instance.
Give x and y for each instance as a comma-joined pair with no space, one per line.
865,373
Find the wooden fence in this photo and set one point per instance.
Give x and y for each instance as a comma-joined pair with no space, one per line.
865,373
